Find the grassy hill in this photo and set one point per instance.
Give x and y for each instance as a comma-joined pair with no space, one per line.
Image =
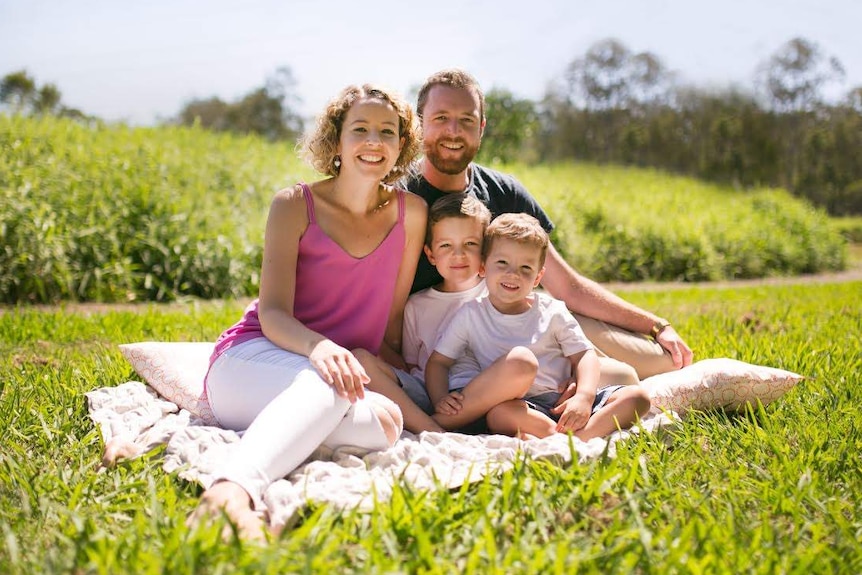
111,213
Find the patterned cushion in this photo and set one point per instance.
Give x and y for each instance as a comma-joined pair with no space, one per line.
176,370
720,383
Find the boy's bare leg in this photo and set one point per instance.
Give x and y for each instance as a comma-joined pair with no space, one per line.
621,411
384,382
516,418
507,378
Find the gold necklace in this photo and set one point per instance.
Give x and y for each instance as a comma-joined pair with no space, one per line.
382,203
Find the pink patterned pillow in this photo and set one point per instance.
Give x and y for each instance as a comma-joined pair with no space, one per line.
720,383
176,370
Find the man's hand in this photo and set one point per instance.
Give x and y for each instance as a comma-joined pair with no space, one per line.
680,353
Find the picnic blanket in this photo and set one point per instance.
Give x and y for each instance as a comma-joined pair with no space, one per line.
134,419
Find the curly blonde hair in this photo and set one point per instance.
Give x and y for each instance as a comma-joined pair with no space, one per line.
320,144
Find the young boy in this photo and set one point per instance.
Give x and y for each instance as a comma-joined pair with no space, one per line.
456,226
515,317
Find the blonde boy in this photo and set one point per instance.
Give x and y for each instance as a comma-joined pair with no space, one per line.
513,318
456,227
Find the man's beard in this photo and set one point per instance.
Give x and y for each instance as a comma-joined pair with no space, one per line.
453,165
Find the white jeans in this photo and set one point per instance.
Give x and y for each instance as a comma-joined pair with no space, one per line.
287,410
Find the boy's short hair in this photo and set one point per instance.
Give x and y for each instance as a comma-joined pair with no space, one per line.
456,206
522,228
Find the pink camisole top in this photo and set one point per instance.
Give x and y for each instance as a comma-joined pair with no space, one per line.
344,298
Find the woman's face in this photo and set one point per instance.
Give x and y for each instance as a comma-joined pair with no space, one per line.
370,141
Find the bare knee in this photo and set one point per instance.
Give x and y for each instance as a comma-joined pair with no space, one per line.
522,364
388,414
635,397
641,399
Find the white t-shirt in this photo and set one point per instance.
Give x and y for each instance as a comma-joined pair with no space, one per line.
427,312
548,329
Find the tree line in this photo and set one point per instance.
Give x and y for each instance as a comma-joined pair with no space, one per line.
612,105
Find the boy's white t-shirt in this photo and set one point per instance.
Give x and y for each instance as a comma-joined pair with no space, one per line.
548,328
425,315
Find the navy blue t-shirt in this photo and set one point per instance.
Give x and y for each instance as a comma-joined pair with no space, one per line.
502,193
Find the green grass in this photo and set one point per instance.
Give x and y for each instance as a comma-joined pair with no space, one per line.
773,491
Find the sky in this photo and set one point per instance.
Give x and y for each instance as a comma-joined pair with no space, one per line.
140,61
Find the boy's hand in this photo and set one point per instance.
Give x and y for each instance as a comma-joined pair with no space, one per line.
574,414
450,404
567,389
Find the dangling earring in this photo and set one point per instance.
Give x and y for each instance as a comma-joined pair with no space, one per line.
337,163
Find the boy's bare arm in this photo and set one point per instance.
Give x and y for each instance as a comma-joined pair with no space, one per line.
575,405
437,376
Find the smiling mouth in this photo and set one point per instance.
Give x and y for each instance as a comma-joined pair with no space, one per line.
511,287
452,145
371,159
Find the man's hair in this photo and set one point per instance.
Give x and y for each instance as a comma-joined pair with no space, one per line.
456,206
454,78
522,228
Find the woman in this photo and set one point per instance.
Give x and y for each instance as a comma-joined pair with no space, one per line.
338,261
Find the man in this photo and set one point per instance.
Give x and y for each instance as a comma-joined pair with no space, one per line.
451,107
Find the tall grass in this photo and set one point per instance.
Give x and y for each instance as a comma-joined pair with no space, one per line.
772,491
110,213
630,224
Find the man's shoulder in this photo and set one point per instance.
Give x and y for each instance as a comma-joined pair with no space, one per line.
496,177
412,179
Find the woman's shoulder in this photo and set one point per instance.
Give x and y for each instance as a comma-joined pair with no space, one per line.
413,202
409,196
290,202
291,193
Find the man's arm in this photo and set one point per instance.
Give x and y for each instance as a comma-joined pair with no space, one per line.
586,297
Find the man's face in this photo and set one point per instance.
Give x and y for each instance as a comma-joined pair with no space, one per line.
452,127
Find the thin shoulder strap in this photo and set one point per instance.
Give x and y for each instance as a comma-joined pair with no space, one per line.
309,202
402,204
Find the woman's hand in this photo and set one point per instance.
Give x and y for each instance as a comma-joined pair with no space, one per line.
340,369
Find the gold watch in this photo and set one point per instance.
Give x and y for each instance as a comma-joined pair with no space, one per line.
658,327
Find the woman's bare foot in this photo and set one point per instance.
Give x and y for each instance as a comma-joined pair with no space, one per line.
228,498
119,448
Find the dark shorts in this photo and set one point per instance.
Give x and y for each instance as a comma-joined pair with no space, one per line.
546,401
415,390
